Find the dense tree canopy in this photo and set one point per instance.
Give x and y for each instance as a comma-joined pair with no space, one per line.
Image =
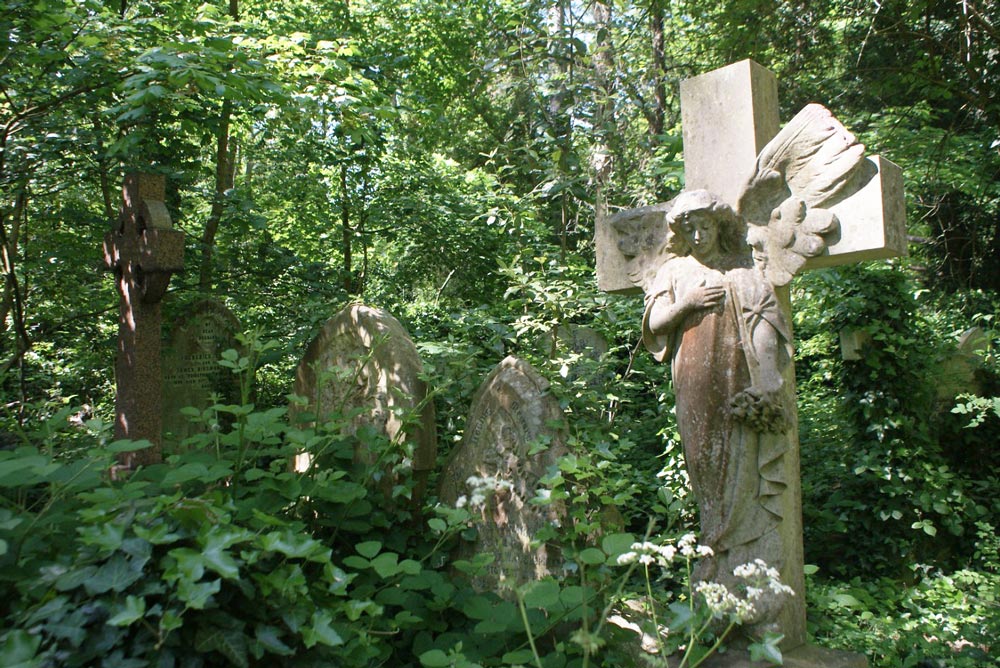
446,160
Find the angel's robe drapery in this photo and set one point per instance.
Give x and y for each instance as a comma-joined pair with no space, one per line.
736,473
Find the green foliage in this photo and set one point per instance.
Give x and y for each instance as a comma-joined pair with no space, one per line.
877,478
946,619
440,159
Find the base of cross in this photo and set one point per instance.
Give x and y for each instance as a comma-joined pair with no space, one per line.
803,656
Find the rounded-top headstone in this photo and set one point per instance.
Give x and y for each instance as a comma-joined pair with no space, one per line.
192,375
363,365
512,438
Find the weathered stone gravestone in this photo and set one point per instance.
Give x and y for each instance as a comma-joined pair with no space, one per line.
364,367
511,439
960,372
714,265
143,251
192,375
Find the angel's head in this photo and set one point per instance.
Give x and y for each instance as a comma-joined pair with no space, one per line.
705,227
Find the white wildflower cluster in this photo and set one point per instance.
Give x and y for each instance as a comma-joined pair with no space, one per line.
482,488
688,547
760,578
723,603
648,553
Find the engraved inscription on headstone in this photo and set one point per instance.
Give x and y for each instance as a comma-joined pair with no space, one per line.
496,470
192,375
364,367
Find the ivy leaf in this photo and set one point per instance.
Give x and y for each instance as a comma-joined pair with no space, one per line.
221,562
767,649
132,611
107,536
74,578
320,631
18,649
116,574
197,594
230,643
269,638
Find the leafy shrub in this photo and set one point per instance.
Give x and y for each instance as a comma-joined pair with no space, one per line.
879,487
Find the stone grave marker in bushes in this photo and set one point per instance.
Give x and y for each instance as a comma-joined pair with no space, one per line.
143,251
192,375
364,369
512,437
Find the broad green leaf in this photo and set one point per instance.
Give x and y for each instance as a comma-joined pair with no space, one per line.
846,600
128,446
190,563
435,658
518,657
591,556
186,473
617,544
232,644
767,649
369,548
542,594
410,567
386,564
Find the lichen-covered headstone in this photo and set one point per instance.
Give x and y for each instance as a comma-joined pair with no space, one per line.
511,439
192,375
364,367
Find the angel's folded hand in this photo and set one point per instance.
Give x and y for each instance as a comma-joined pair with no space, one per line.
706,296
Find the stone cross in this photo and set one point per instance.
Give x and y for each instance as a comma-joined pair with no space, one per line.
143,251
728,116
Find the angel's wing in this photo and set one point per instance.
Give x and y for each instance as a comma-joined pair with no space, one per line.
641,236
806,166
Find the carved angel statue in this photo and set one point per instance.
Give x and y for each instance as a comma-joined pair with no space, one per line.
708,272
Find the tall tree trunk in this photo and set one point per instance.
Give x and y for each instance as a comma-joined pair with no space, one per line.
13,292
224,165
658,112
559,111
347,233
600,159
107,196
